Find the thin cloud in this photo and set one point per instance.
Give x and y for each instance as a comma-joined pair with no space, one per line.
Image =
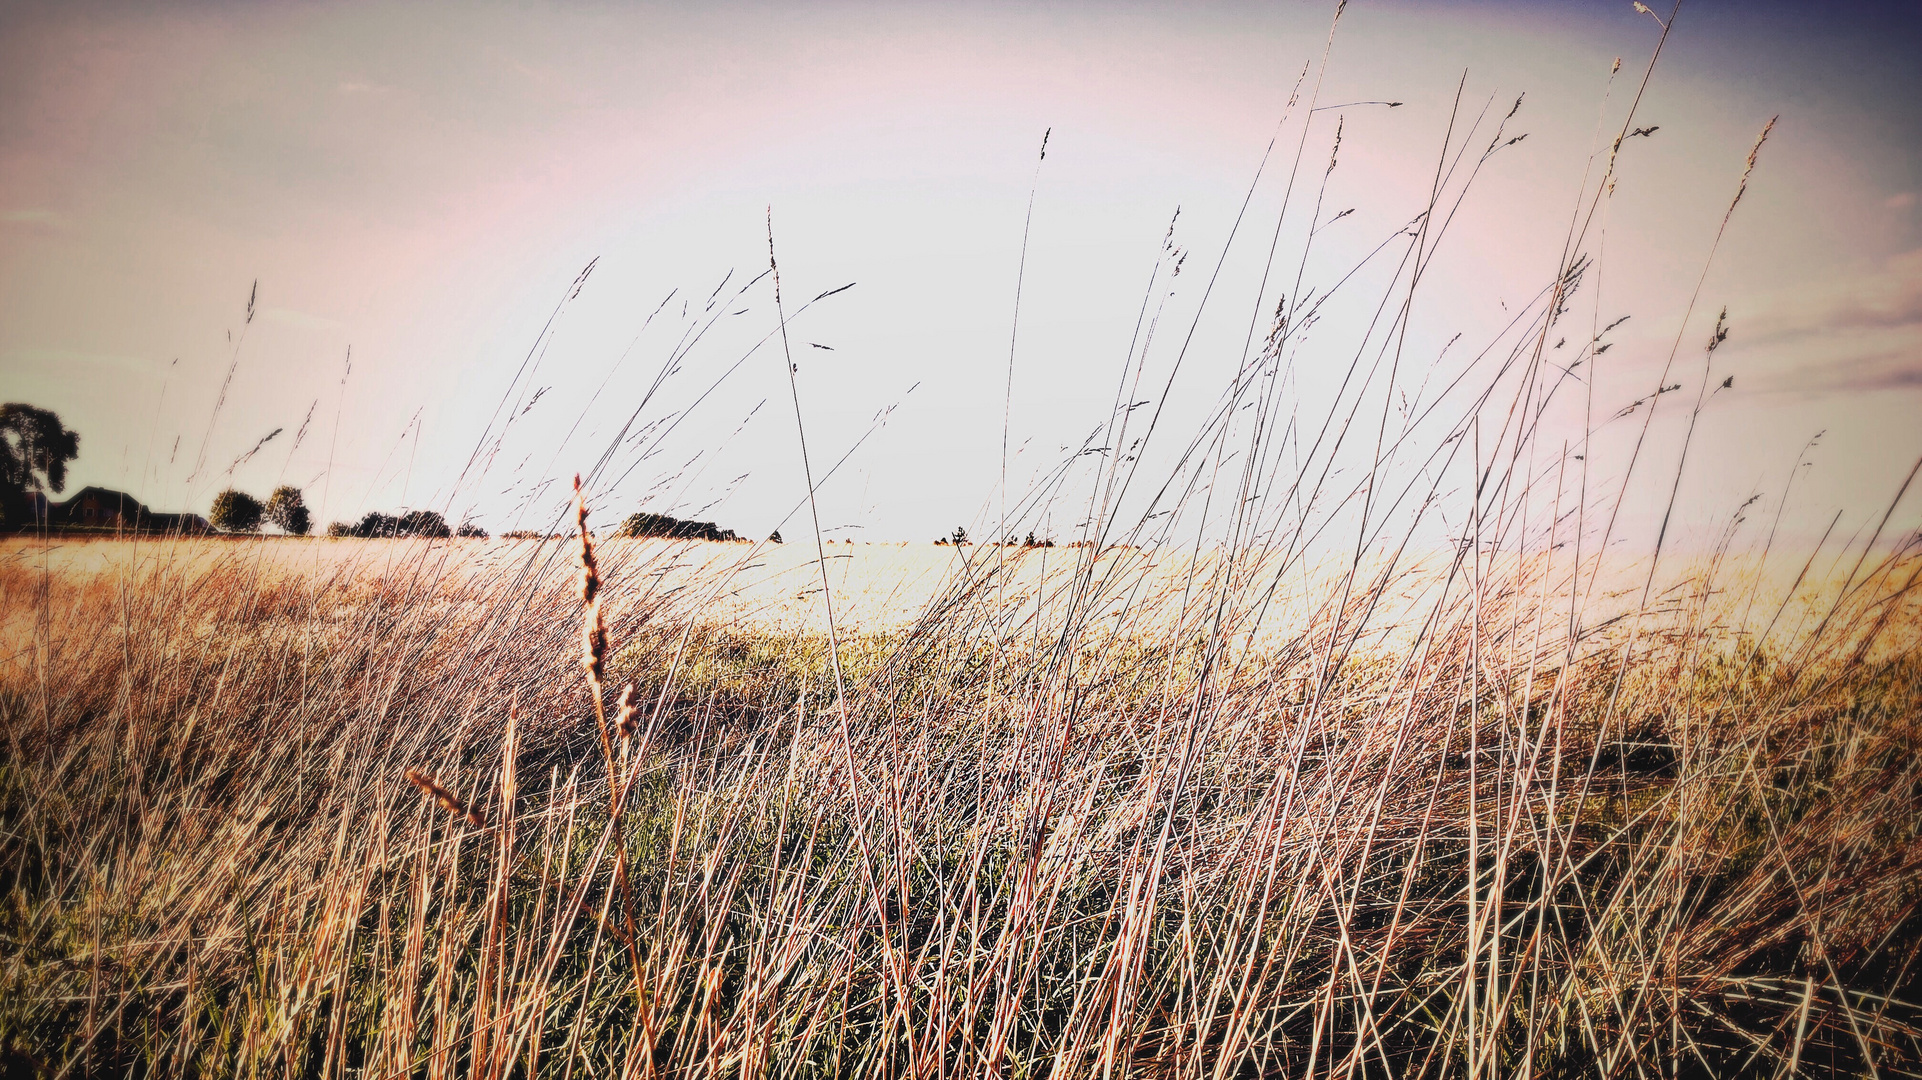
1891,300
1853,334
1877,372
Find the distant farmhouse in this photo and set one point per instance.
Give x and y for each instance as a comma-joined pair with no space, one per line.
100,508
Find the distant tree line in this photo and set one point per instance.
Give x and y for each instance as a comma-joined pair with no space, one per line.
35,448
960,536
425,523
639,525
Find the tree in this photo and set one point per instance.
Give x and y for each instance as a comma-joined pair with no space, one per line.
288,510
375,523
471,531
235,512
960,536
413,523
774,537
34,451
644,524
424,523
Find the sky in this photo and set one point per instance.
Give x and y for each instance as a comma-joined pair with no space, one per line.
357,231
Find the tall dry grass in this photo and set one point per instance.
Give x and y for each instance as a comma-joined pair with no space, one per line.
1270,778
1500,851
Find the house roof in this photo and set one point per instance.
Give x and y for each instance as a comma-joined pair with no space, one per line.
127,502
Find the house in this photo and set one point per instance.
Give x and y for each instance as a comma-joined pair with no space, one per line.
103,508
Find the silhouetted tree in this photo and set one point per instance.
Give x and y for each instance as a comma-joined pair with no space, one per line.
423,523
375,523
288,510
235,512
34,451
413,523
471,531
638,525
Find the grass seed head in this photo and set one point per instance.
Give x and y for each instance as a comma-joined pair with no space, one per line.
448,800
593,630
627,719
590,570
593,642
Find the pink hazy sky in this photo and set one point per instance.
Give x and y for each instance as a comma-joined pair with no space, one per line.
422,182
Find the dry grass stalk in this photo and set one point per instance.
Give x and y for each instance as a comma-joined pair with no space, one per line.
1424,801
448,800
627,714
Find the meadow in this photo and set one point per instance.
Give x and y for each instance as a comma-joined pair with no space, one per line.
1355,740
1067,821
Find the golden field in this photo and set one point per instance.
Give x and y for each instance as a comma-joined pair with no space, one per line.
350,808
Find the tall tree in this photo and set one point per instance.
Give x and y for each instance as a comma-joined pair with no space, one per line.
34,451
288,510
235,512
423,523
